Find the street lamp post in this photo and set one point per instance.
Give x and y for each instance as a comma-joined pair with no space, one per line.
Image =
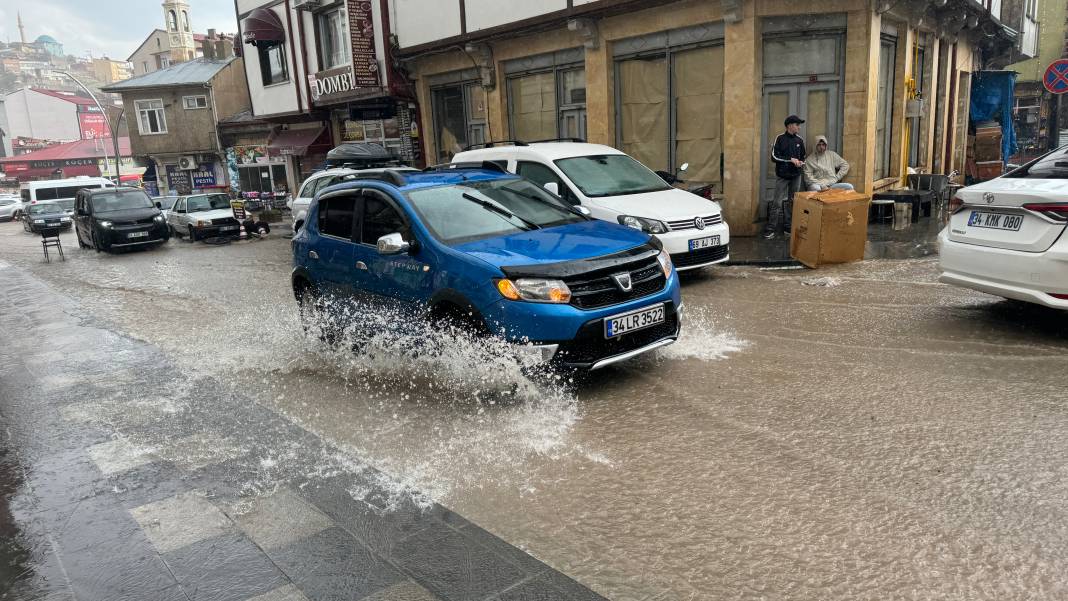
107,120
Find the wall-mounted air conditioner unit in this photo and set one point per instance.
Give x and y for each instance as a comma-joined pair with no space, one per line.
187,163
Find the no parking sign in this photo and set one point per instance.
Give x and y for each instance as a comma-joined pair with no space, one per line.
1056,78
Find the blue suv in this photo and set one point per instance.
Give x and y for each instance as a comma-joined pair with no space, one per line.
495,252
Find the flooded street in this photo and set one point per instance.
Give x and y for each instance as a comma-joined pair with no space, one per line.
857,432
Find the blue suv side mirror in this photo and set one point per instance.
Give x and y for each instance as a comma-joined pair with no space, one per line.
392,244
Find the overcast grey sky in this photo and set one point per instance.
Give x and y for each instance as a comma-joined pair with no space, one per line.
111,27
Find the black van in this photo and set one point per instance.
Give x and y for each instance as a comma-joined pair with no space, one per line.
113,218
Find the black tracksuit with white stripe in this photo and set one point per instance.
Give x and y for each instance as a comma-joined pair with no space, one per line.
788,146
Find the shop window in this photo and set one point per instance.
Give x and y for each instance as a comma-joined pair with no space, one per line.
459,118
273,64
548,105
917,125
572,103
332,36
532,106
263,178
884,120
151,119
670,110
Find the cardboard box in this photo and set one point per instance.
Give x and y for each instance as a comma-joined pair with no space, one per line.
829,227
986,170
987,144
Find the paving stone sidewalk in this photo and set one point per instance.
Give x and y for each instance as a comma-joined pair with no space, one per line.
128,480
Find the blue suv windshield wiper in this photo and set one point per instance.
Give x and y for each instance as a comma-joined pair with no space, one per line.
496,208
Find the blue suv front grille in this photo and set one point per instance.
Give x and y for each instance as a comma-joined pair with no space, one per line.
590,345
592,291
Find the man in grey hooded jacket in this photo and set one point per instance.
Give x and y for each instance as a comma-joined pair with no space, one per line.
825,169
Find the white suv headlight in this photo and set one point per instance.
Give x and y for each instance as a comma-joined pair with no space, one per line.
535,290
649,226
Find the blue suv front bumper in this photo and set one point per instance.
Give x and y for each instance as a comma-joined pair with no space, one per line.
575,337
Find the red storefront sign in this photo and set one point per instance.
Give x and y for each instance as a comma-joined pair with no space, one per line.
93,125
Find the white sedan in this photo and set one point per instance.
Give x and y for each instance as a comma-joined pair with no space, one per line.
200,216
1008,237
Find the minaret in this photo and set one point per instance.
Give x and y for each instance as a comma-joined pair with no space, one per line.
22,29
179,30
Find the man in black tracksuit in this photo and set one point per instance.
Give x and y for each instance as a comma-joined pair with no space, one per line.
788,153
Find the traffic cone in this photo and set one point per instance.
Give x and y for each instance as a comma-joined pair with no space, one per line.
243,235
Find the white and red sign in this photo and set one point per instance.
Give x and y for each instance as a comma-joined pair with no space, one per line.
93,125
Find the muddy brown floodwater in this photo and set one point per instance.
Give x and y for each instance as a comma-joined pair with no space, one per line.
860,432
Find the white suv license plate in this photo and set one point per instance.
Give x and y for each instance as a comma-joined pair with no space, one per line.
618,325
137,235
700,243
995,221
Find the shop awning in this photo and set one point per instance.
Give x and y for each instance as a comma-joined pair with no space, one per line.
295,142
263,27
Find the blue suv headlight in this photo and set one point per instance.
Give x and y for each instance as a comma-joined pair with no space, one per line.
665,263
535,290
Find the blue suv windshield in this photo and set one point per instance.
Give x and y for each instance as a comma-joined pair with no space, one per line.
454,219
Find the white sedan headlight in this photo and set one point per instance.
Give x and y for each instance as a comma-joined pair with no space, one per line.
649,226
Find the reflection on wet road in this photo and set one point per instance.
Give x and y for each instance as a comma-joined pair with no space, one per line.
870,435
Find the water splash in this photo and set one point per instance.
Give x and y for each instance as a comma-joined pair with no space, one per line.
702,339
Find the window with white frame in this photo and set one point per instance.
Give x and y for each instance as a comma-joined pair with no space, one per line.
195,102
150,117
333,36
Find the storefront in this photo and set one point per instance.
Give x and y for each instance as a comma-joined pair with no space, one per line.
72,159
179,178
259,172
301,150
710,84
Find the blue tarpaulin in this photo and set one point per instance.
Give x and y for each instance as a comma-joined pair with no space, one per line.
992,100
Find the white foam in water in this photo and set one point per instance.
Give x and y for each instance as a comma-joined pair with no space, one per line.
436,408
701,339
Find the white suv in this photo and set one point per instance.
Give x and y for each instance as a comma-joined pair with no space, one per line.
617,188
322,179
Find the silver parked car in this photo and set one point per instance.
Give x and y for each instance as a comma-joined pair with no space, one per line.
200,216
10,207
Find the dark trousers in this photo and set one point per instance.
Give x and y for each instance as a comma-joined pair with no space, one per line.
781,208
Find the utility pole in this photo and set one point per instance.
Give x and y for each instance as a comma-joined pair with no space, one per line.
114,130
